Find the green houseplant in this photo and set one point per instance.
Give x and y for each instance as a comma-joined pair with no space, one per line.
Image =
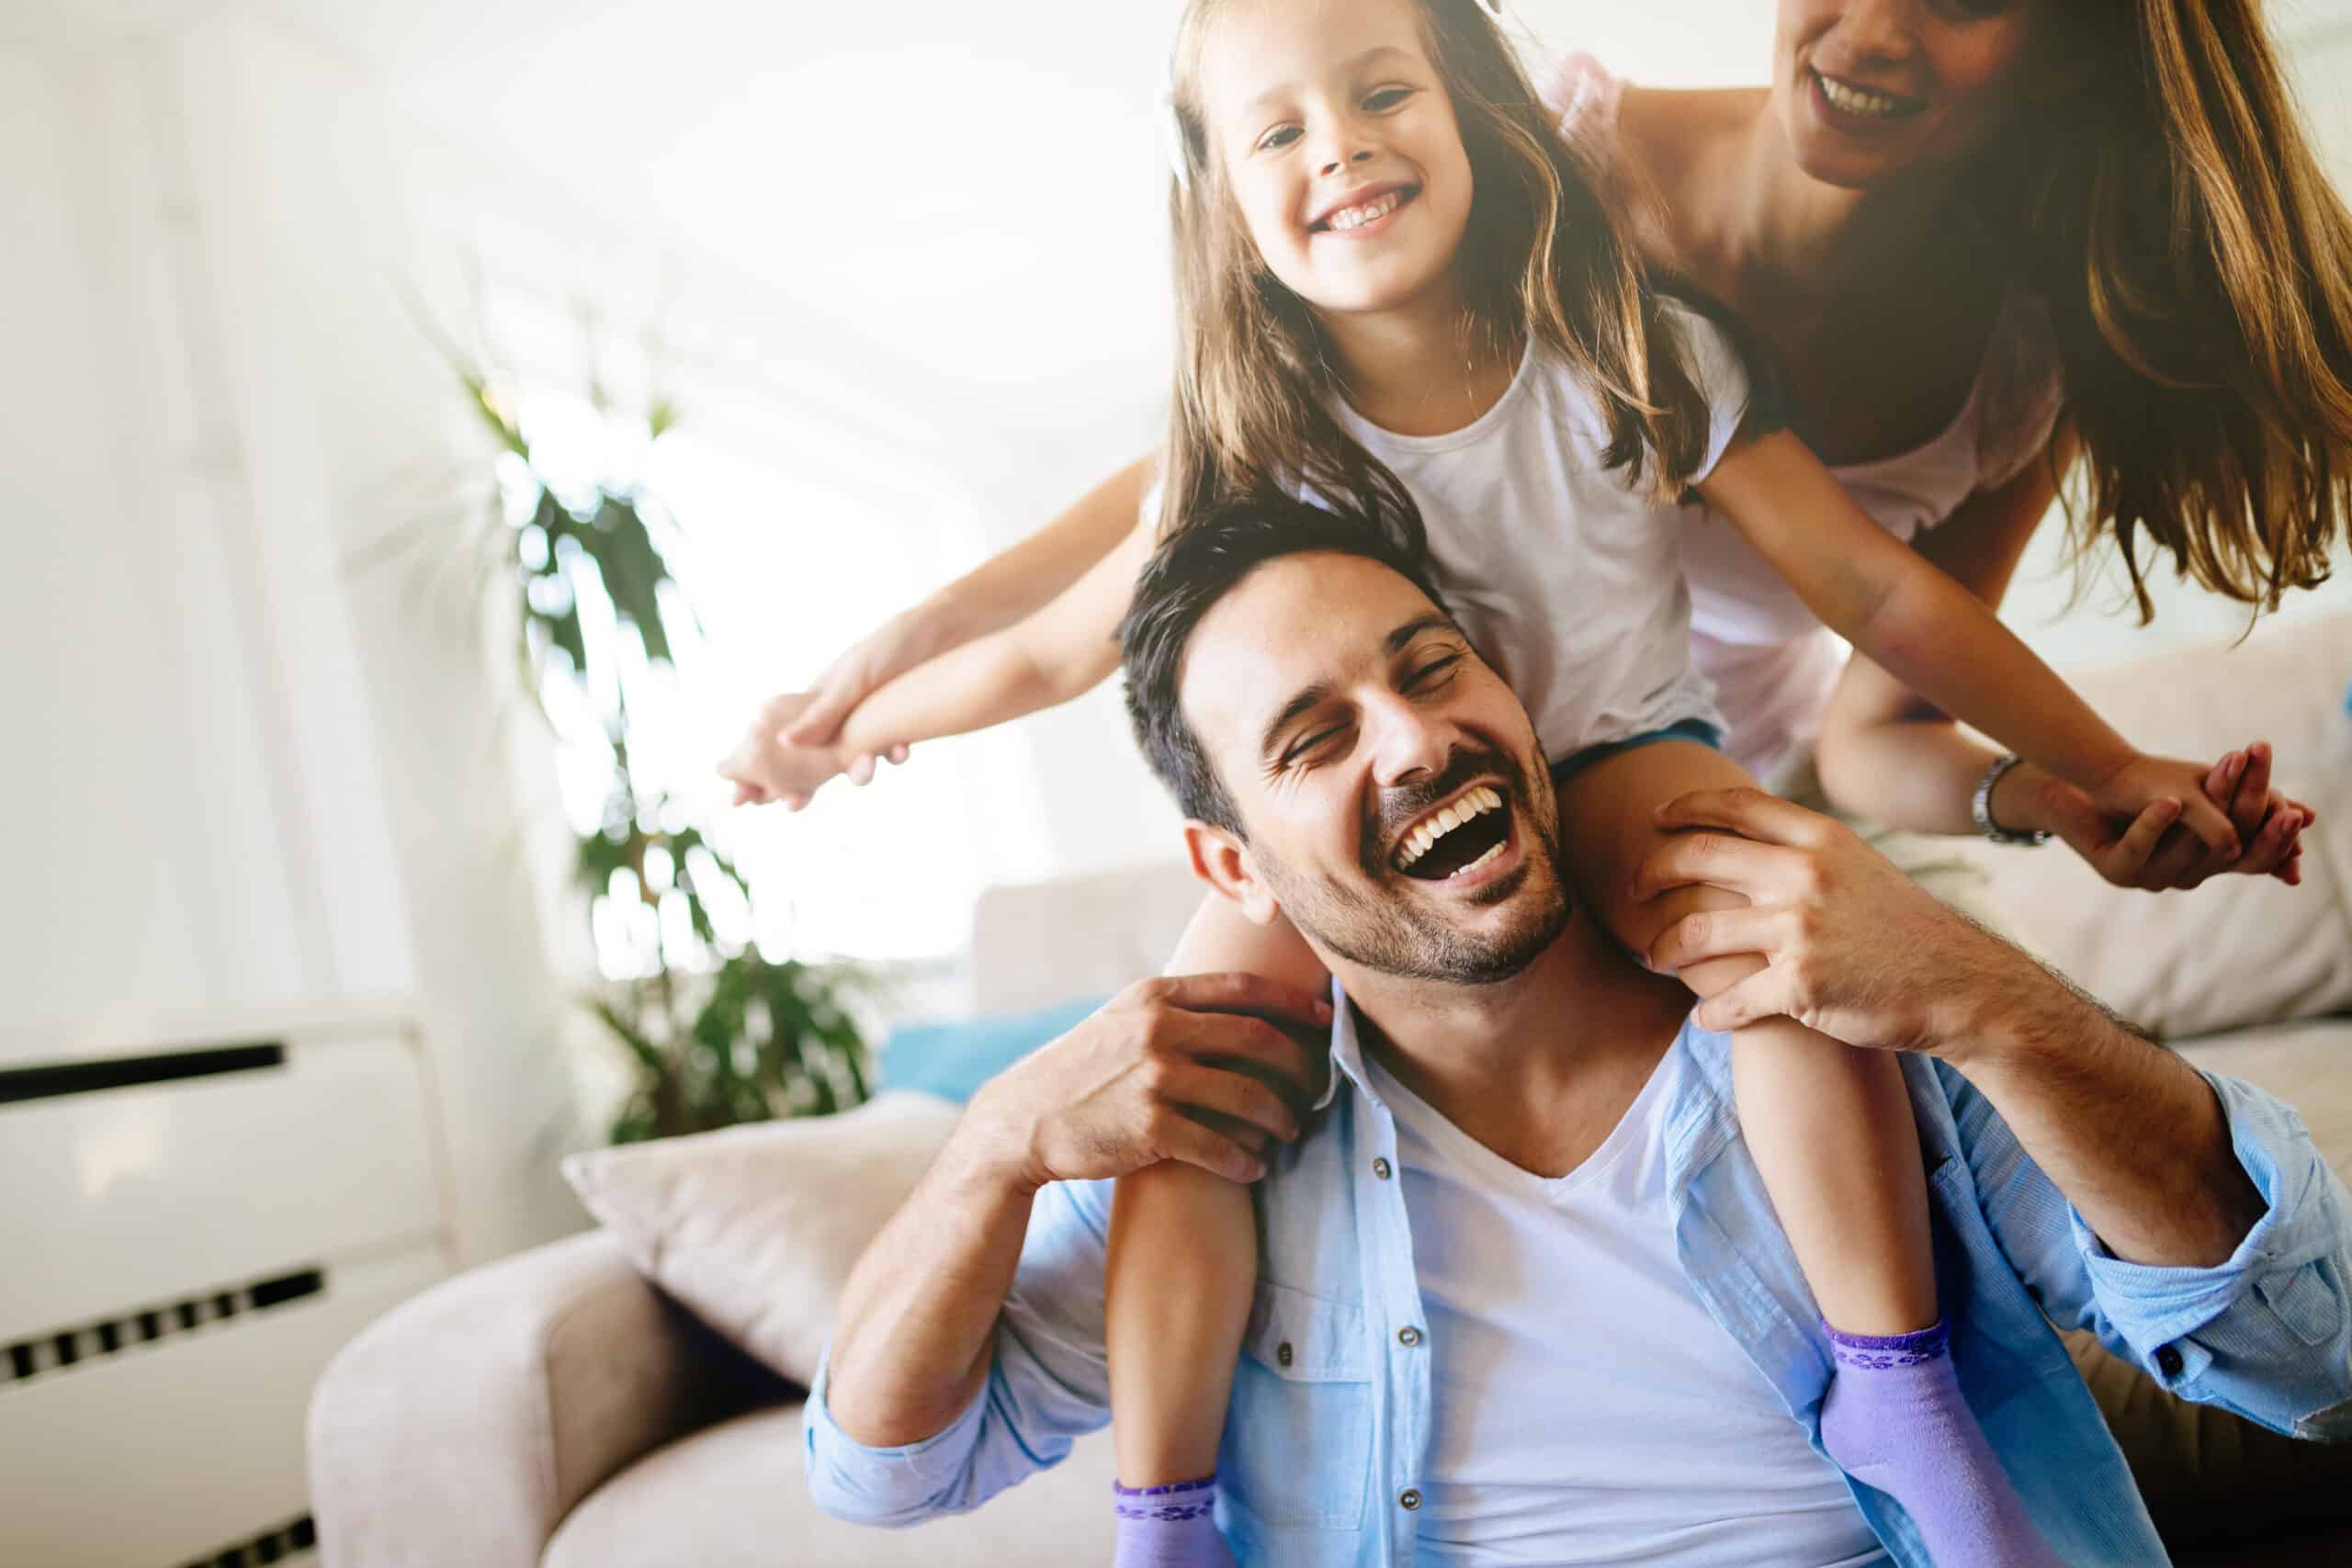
715,1032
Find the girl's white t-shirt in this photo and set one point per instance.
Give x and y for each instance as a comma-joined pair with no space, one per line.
1772,662
1567,577
1586,1408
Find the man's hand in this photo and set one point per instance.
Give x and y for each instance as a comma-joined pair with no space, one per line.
1204,1068
1852,947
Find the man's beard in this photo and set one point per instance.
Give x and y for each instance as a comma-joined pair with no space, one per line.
1368,924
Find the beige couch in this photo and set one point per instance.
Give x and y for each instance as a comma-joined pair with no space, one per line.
553,1410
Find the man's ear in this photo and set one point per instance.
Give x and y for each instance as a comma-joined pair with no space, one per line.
1220,860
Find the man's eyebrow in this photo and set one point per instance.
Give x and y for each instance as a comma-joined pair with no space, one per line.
1435,621
1312,697
1369,56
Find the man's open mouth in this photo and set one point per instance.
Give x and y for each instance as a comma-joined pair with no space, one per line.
1462,836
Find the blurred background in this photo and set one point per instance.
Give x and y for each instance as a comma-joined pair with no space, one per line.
339,335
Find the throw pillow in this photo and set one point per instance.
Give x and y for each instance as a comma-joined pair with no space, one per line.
755,1229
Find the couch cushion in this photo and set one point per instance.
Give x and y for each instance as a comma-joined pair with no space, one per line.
755,1229
734,1496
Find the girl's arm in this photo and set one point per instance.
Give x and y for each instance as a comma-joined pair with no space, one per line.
1927,632
1053,656
1887,754
986,599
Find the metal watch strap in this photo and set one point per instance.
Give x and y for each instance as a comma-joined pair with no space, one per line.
1981,807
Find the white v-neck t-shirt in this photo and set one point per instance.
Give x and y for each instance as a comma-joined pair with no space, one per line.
1587,1408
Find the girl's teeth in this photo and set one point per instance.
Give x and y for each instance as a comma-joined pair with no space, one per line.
1370,212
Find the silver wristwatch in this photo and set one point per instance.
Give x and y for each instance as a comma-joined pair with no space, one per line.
1982,810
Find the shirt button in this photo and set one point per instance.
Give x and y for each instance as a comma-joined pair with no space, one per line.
2168,1362
1283,1353
1409,1337
1380,1168
1408,1499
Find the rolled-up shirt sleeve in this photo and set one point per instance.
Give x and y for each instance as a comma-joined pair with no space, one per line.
1048,1383
2267,1333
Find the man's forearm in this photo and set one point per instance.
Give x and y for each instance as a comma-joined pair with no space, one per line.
2132,1135
918,1315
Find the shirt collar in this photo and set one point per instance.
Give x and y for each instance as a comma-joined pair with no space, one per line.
1346,1051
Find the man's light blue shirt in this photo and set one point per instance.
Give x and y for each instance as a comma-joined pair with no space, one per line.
1330,1415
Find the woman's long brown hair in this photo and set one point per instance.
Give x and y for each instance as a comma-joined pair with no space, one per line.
1545,257
2197,265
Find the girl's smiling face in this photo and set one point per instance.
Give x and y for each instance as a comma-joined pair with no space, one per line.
1338,142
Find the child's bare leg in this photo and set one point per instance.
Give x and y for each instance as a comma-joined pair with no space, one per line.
1831,1131
1830,1126
1182,1269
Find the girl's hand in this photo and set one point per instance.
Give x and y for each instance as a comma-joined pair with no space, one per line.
764,766
2149,851
890,650
2146,781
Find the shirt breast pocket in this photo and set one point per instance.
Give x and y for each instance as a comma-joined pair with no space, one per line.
1297,1452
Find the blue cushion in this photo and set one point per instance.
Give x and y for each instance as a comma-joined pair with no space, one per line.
955,1058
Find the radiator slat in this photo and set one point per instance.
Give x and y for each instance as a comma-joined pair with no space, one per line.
64,1078
138,1200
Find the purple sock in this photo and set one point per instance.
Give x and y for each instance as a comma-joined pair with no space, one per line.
1170,1527
1895,1419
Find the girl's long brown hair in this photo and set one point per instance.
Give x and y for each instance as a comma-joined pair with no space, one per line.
1545,257
2197,265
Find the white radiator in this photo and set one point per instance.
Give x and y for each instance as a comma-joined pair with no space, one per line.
191,1227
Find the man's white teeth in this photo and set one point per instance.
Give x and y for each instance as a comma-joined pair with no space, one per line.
1486,859
1370,212
1855,100
1445,819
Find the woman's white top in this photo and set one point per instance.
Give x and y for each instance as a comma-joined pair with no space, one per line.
1772,662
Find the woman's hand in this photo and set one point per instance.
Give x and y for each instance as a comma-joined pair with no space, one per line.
2149,849
897,646
765,766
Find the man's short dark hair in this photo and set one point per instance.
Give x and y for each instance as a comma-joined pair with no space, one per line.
1187,575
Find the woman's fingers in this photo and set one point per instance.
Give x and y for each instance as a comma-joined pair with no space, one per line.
2253,791
2274,842
841,687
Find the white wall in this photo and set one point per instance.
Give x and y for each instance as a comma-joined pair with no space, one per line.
247,781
